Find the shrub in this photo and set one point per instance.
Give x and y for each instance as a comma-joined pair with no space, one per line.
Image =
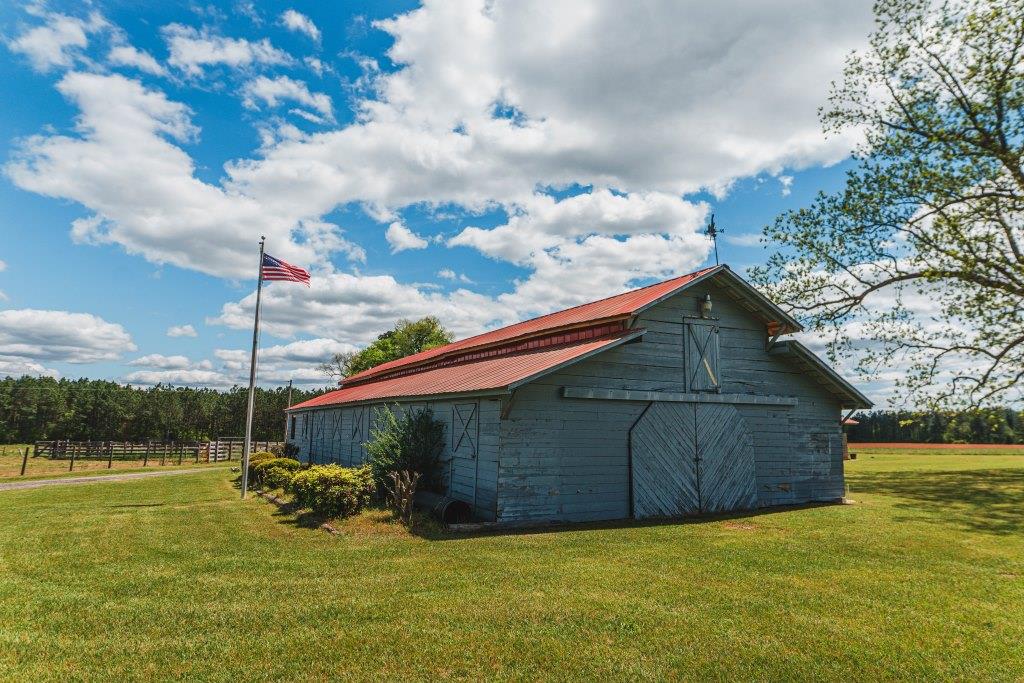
291,451
401,493
333,490
260,456
278,478
258,471
413,442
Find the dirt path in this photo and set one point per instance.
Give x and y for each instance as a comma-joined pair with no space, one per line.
99,479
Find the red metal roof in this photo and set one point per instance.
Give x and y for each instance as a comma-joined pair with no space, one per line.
488,373
619,306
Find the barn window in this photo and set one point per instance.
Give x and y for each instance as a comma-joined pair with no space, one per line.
291,428
701,348
464,421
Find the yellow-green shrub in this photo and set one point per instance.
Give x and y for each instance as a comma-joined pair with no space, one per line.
333,490
260,456
259,470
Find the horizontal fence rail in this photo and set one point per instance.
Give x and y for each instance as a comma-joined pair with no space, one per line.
148,452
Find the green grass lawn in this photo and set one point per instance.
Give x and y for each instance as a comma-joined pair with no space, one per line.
175,578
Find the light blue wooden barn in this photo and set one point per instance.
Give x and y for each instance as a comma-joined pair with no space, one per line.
684,397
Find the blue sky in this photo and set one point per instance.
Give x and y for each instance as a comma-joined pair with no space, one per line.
480,163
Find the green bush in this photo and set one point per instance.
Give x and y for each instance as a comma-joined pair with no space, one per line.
333,490
258,470
278,478
410,442
260,456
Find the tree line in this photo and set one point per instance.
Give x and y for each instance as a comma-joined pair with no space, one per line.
979,425
43,409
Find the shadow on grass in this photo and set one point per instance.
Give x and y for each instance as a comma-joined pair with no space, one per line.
974,500
512,529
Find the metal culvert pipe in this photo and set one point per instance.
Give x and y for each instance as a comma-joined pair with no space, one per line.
444,509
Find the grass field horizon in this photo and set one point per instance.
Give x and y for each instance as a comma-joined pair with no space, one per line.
175,578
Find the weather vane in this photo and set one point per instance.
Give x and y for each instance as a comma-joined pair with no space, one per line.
712,231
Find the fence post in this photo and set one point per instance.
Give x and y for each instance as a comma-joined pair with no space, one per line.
145,458
197,452
163,453
24,461
74,452
181,452
110,454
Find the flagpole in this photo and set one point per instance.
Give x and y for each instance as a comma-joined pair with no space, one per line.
252,376
286,413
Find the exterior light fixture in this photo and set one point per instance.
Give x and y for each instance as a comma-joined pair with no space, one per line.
705,307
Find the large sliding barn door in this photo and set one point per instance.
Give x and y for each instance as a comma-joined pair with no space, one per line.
690,458
664,468
725,459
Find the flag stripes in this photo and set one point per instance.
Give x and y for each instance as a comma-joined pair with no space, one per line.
276,269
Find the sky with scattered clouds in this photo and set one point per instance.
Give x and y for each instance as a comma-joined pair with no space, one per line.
479,161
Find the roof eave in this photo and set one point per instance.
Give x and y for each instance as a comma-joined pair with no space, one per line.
479,393
853,398
789,323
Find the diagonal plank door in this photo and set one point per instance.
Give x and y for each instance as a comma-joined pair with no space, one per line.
664,467
725,465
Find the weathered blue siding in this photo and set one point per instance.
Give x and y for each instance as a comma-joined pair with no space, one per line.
339,435
564,458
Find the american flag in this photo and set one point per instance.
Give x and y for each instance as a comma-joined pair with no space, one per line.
276,269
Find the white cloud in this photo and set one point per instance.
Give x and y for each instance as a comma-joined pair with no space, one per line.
59,41
316,65
40,335
590,243
3,266
446,273
401,238
156,360
271,91
787,184
191,50
193,378
125,140
181,331
541,223
12,366
743,239
296,361
492,100
354,309
295,21
128,55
